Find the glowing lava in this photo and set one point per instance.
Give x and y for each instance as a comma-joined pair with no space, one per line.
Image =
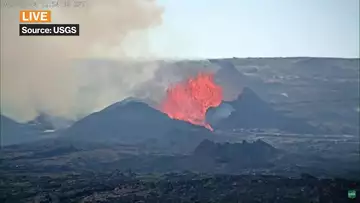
189,100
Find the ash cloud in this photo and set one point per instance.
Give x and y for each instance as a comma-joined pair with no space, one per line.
38,74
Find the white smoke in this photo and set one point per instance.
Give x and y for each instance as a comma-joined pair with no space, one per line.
219,113
38,74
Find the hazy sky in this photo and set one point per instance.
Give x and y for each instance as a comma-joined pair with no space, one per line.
258,28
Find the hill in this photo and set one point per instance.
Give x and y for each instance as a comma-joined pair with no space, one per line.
250,111
129,121
13,132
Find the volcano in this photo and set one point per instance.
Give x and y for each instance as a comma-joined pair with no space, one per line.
129,121
250,111
189,100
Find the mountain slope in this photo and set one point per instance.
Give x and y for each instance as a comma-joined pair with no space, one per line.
250,111
13,132
129,121
230,79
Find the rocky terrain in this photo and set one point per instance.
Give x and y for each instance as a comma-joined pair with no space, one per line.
208,157
286,131
185,188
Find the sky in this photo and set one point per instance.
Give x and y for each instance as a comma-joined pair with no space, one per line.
257,28
190,29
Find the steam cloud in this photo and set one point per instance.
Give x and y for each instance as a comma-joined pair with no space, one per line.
38,74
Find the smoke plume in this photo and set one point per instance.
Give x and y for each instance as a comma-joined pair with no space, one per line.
38,74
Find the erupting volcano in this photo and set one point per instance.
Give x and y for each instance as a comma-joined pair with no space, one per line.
189,100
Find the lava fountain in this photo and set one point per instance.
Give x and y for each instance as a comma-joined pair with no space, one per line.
189,100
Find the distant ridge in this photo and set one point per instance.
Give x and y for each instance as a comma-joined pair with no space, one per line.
13,132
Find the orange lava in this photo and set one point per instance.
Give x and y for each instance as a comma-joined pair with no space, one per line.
189,100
